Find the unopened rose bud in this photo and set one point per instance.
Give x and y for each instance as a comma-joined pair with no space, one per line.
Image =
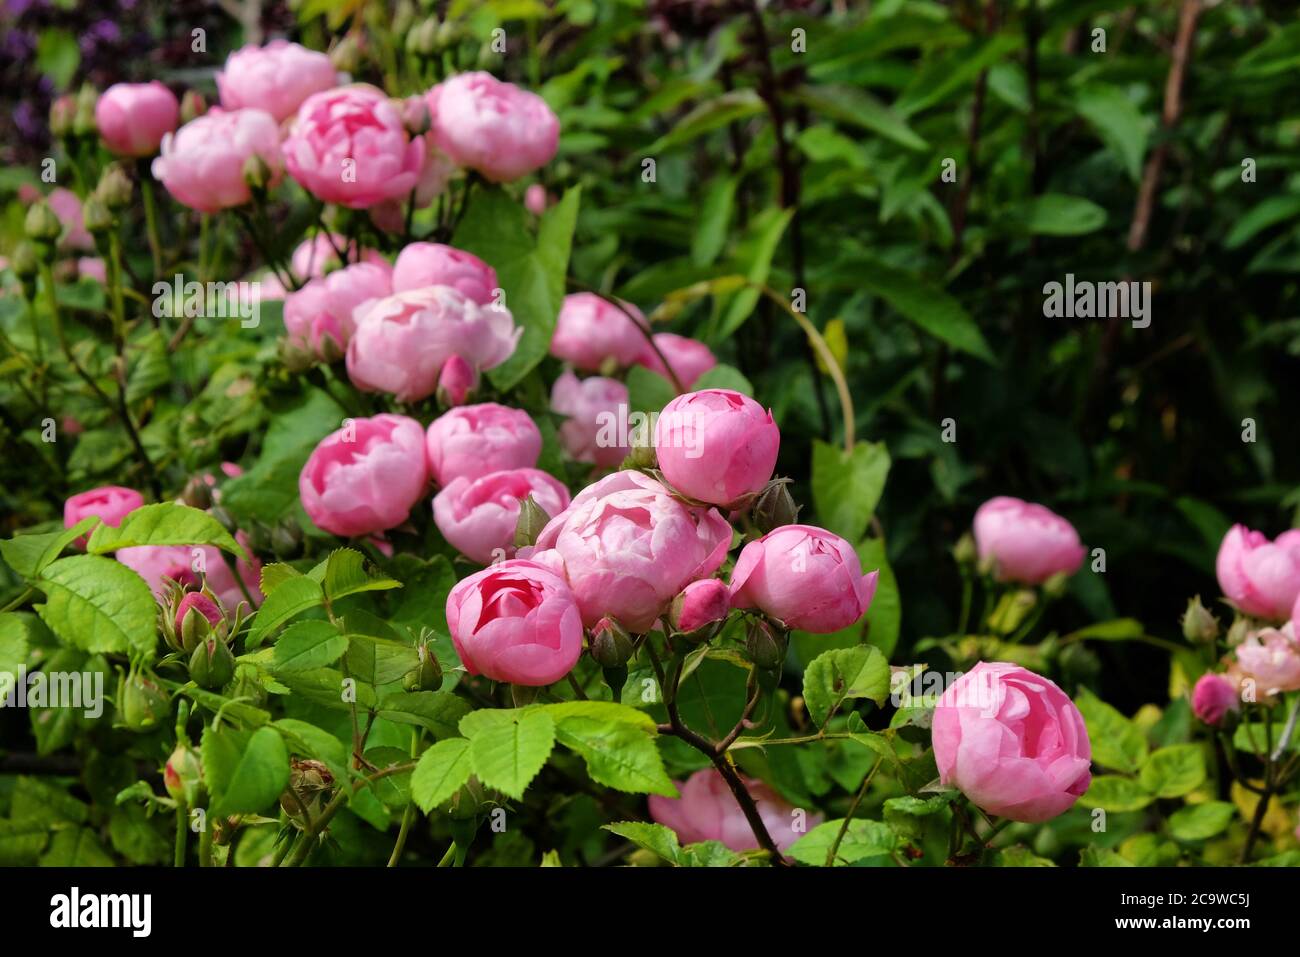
286,539
63,112
212,665
611,645
1199,626
1011,610
774,506
403,17
182,775
448,33
964,551
310,785
330,352
532,519
197,493
346,55
248,686
456,382
96,217
256,173
192,106
83,120
41,225
23,261
1238,631
427,675
423,40
114,187
700,606
764,646
142,703
1214,697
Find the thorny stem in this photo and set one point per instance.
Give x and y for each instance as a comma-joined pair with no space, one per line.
641,327
857,799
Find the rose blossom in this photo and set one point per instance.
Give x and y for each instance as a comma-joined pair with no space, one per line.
276,77
1027,543
348,146
315,257
67,207
701,603
202,163
365,477
133,117
194,565
716,446
592,405
402,341
515,621
436,264
493,127
455,382
1213,697
478,516
628,547
708,811
689,358
1272,657
109,503
1260,577
474,440
805,577
1012,742
326,307
591,332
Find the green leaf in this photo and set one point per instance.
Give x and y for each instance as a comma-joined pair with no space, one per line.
941,76
652,837
833,677
1118,122
863,839
928,306
850,105
1116,741
28,554
1116,793
437,711
442,770
1093,856
76,847
307,645
21,842
13,643
167,523
294,595
647,391
309,741
713,114
508,752
767,228
99,605
57,56
1020,856
1198,822
723,376
245,772
346,574
1266,213
715,214
618,755
1055,214
847,486
1174,771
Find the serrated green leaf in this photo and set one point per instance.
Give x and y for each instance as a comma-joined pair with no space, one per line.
862,839
655,838
28,554
291,597
99,605
166,523
442,770
307,645
1114,792
618,755
847,485
1199,822
1116,741
346,574
843,673
1174,771
507,755
245,772
437,711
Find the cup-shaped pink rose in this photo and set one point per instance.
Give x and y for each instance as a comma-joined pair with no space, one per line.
689,358
402,341
202,163
474,440
592,333
716,446
805,577
1012,742
365,477
110,504
134,117
276,77
436,264
515,621
701,603
1213,697
348,146
1026,543
1271,657
316,256
493,127
478,516
193,566
326,307
628,546
595,407
455,382
708,811
67,208
1260,577
201,604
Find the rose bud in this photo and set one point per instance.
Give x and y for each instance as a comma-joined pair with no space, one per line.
515,621
611,645
142,703
83,119
197,493
435,264
480,517
532,519
716,446
1026,543
700,605
24,261
774,507
276,78
197,617
248,686
473,440
427,675
97,218
109,503
183,775
41,225
688,358
133,117
708,811
62,113
591,407
1271,656
1260,577
807,578
496,128
1199,626
591,333
1012,742
456,382
1213,697
310,785
213,664
765,647
192,105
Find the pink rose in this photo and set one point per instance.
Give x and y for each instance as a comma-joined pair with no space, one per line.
202,163
94,268
807,578
591,433
689,358
1012,742
1272,657
402,341
716,446
110,504
455,382
67,207
1213,697
365,477
276,77
493,127
628,547
194,566
133,117
1260,577
478,516
201,604
701,603
590,333
1027,543
535,199
327,306
474,440
435,264
348,146
315,257
515,621
708,811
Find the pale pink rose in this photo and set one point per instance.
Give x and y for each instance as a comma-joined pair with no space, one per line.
276,77
402,341
515,621
455,382
1213,697
365,477
436,264
1012,742
591,333
202,163
716,446
315,257
628,547
1272,657
807,578
194,566
689,358
591,432
348,146
535,199
67,207
478,516
436,173
133,117
109,503
1260,577
268,287
327,306
474,440
493,127
92,267
708,811
1026,543
701,603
